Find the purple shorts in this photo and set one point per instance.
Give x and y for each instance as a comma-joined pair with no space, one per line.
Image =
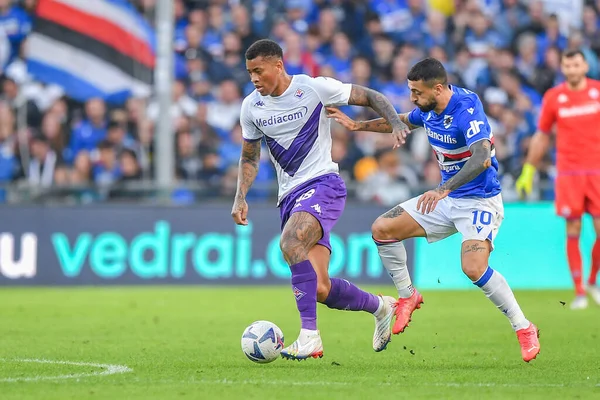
323,197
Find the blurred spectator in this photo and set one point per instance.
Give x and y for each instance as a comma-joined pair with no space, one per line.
189,163
90,131
106,170
15,23
223,113
397,89
297,59
182,106
507,51
9,166
43,164
391,183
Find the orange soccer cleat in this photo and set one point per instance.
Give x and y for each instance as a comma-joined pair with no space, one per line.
404,310
528,339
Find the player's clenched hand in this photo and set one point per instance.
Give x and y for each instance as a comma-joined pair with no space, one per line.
399,132
239,212
524,184
341,118
428,200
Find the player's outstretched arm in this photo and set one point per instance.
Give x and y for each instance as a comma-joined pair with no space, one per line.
248,168
363,96
374,125
480,160
538,146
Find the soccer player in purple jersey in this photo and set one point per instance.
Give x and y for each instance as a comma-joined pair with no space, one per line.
288,112
468,199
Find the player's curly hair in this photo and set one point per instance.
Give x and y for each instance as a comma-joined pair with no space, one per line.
428,70
264,48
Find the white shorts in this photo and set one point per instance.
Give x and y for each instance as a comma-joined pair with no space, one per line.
475,218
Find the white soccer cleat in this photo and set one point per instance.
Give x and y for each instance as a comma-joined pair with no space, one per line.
383,321
306,346
580,303
594,291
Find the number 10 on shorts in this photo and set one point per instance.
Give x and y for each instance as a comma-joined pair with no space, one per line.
484,217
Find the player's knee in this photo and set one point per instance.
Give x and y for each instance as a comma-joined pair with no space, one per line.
292,249
474,270
323,289
573,227
381,229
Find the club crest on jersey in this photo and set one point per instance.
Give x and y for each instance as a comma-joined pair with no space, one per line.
594,93
299,93
448,121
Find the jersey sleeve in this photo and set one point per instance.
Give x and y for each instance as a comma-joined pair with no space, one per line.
250,132
473,123
415,118
331,91
547,114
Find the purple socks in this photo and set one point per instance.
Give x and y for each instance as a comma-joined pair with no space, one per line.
304,285
343,295
346,296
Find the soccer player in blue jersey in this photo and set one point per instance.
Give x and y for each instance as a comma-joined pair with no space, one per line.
468,199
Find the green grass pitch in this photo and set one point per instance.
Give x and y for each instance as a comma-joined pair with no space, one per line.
184,343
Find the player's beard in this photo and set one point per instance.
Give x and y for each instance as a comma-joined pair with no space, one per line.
428,107
575,81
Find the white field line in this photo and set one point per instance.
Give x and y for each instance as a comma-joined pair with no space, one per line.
106,369
436,384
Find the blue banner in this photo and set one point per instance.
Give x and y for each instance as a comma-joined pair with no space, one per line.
124,245
140,245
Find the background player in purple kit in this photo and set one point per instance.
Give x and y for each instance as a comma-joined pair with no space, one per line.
289,113
468,199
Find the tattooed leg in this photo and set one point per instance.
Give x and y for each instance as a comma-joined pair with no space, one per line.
396,225
474,258
299,236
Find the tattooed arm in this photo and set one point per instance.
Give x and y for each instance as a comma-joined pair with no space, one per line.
248,168
374,125
479,161
363,96
381,125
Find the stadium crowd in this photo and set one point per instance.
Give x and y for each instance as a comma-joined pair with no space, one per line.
508,51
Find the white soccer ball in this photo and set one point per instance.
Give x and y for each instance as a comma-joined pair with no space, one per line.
262,342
